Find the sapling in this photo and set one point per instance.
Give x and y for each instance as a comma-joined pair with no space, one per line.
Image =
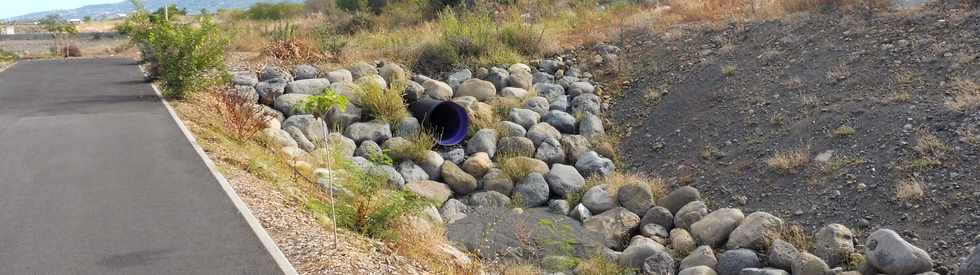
318,106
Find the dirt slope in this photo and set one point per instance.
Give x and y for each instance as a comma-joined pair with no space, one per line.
708,107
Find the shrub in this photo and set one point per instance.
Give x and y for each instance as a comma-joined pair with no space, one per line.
386,104
242,118
6,56
966,95
319,105
476,38
182,54
277,11
373,208
352,5
909,190
790,162
930,146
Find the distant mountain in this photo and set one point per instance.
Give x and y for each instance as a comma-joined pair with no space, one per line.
124,7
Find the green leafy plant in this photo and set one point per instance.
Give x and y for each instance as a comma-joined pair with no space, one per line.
319,105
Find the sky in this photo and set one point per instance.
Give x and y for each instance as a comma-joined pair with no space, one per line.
10,8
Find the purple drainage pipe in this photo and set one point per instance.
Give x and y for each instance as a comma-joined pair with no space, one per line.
446,118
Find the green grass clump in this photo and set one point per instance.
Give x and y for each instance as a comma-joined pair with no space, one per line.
386,104
477,38
373,207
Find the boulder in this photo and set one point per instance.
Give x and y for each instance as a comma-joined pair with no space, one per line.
635,197
782,255
272,72
408,127
515,146
519,79
456,156
580,213
586,103
287,103
542,77
453,210
660,216
490,232
498,77
734,261
689,214
808,264
348,90
564,180
341,119
313,86
485,140
394,179
575,146
591,164
368,149
833,243
754,231
598,199
890,253
679,198
701,256
591,127
480,89
411,172
478,164
519,67
697,270
655,232
578,88
542,131
524,117
301,140
432,190
413,91
372,80
560,207
303,72
341,75
246,93
550,151
497,180
513,92
532,190
638,250
681,241
615,225
376,130
362,69
491,199
391,72
763,271
311,127
279,137
432,164
393,147
549,91
461,182
437,89
549,65
971,264
341,144
564,122
537,104
456,79
715,228
510,129
244,78
559,104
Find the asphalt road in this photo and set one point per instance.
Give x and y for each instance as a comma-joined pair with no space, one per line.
97,178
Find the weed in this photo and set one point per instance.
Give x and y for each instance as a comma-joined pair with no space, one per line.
373,208
657,185
930,146
242,118
901,96
791,161
728,70
796,235
966,96
910,189
777,119
709,152
843,131
600,265
839,72
418,146
969,135
517,167
386,104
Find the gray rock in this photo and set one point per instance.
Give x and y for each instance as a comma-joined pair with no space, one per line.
533,190
363,164
456,79
435,191
782,255
341,75
591,164
490,232
575,146
591,127
598,199
453,210
689,214
550,151
564,180
246,93
763,271
411,172
560,104
614,225
341,144
456,156
244,78
833,243
510,129
560,207
311,127
519,67
279,137
341,119
679,198
377,130
754,231
549,66
301,140
374,80
681,241
513,92
268,91
437,89
655,232
524,117
808,264
566,81
432,164
578,88
477,164
636,197
537,104
519,79
549,91
701,256
485,140
515,146
408,127
542,77
580,213
638,250
586,103
542,131
392,72
271,72
459,181
304,71
498,77
490,199
697,270
890,253
733,261
348,90
715,228
480,89
362,69
368,149
562,121
497,180
287,103
660,216
971,264
392,147
395,179
414,91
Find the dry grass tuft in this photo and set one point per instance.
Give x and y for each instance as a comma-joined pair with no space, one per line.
517,167
930,146
966,96
426,248
657,185
599,265
242,119
790,162
910,190
793,234
843,131
419,145
839,72
386,104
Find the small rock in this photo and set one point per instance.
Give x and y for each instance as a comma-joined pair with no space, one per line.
497,180
702,256
689,214
715,228
435,191
478,164
559,207
598,199
734,261
888,252
456,156
614,225
580,213
461,182
591,164
533,190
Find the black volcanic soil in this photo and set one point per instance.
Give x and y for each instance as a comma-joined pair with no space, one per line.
790,84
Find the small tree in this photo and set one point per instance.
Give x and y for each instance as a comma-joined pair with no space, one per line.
319,106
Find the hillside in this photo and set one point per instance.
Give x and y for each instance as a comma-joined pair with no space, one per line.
821,118
124,7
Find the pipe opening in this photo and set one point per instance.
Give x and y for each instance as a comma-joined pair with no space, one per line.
447,120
